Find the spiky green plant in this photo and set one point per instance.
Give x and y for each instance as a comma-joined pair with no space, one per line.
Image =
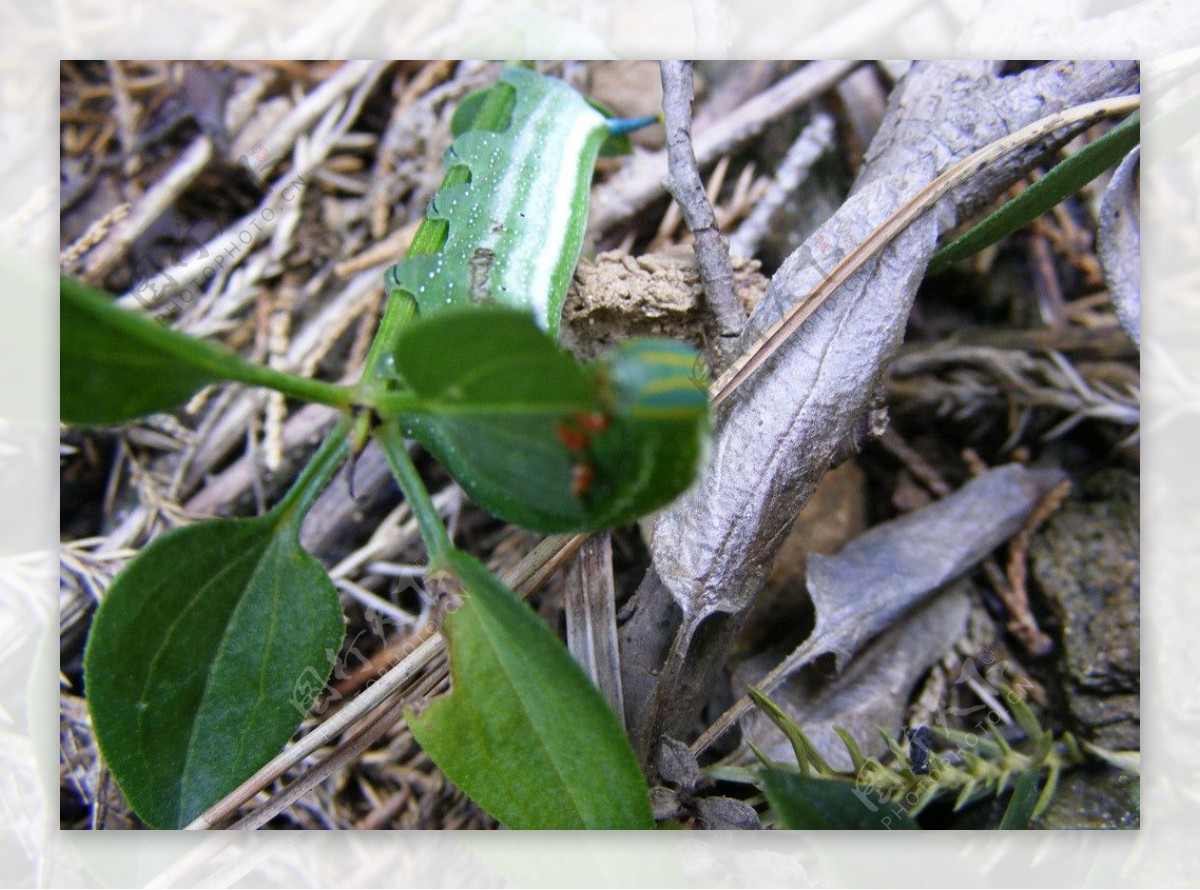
990,764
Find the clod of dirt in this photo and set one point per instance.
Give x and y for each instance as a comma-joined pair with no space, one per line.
657,295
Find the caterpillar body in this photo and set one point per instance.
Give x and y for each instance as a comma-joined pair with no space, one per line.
505,232
515,228
649,388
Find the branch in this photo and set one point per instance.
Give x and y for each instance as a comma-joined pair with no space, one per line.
683,182
640,181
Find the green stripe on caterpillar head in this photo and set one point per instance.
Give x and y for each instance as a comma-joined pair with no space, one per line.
515,228
654,379
643,448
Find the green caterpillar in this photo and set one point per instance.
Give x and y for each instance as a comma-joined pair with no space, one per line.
516,227
505,231
651,389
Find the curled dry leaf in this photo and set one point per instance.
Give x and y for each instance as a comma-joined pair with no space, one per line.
1119,244
873,690
882,574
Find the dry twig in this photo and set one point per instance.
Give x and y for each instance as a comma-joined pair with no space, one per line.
712,250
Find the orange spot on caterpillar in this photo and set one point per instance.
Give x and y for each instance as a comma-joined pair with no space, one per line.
595,422
582,475
575,440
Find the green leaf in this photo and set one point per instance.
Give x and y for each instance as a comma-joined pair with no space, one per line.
802,802
536,438
206,653
1027,720
806,753
523,732
1020,806
116,365
1064,179
857,759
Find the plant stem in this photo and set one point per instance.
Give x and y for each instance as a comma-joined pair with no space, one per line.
437,541
401,309
305,388
320,469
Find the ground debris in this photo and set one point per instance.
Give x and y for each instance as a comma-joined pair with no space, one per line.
1086,564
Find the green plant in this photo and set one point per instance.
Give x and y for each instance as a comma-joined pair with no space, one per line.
874,795
212,644
1062,181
